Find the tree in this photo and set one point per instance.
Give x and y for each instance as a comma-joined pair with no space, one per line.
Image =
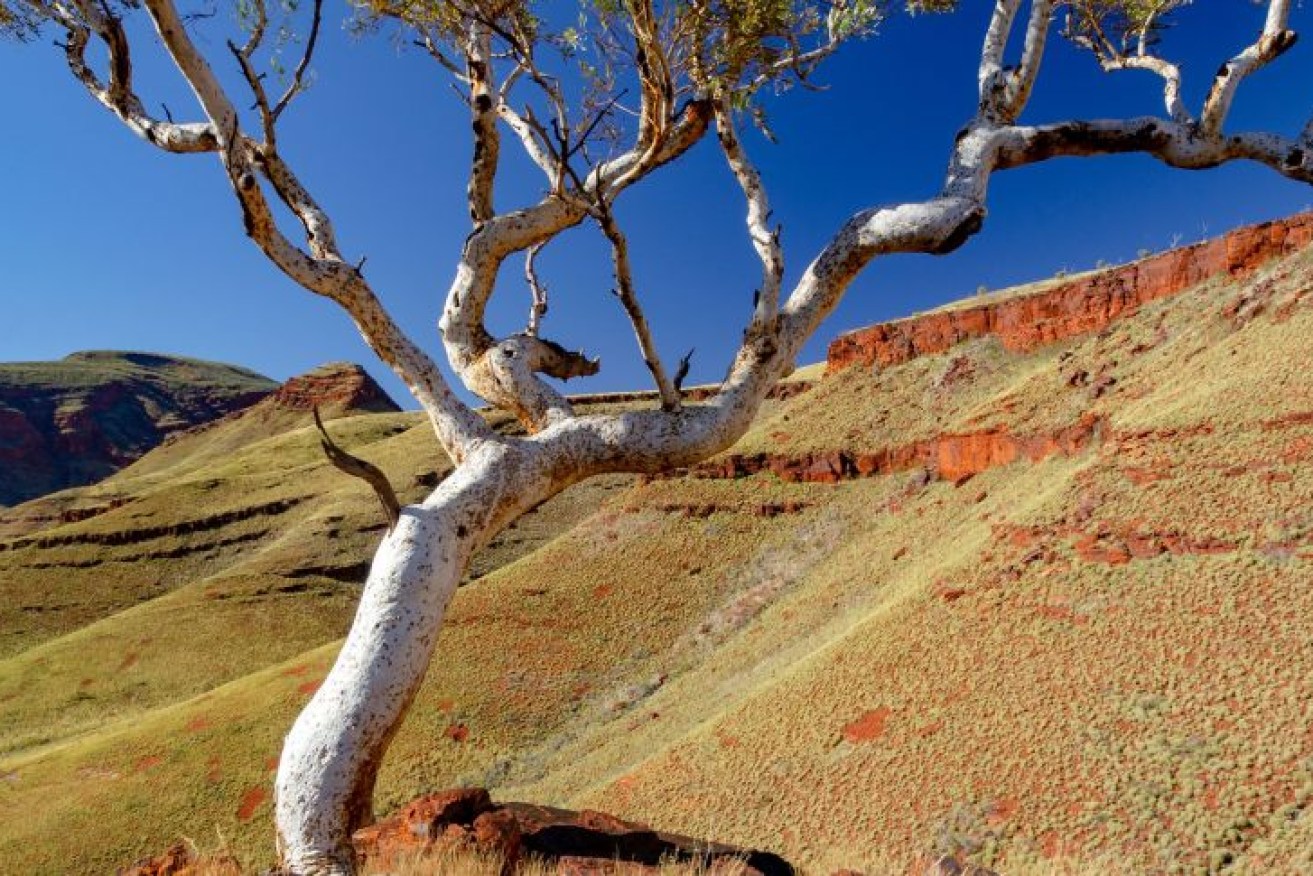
696,66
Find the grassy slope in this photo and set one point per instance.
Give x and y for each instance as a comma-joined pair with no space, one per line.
89,369
1011,683
899,667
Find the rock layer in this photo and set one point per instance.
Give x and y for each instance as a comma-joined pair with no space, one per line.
335,387
947,457
1081,305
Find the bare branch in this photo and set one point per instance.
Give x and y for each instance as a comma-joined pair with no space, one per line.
534,140
298,77
681,372
253,80
764,240
991,77
658,88
538,309
469,344
359,468
1272,42
257,29
1170,74
483,109
85,18
1022,81
430,45
633,309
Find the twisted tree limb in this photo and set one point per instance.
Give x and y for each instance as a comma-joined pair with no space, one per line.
359,468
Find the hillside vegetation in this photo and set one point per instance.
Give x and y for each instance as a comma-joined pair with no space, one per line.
82,418
1014,606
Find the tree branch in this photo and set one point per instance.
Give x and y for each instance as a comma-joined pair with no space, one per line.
633,309
992,77
359,468
467,340
118,95
297,84
538,309
321,271
1111,58
483,112
764,240
1022,81
1272,42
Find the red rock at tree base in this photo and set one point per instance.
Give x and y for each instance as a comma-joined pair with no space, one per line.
178,860
581,843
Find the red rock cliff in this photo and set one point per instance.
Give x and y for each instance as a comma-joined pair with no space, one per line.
1085,304
336,387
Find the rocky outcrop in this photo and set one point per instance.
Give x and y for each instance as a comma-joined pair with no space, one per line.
947,457
334,388
577,842
1081,305
82,418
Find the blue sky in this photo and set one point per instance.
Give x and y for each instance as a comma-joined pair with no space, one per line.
109,244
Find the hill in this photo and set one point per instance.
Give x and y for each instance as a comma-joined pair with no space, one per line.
78,420
1009,603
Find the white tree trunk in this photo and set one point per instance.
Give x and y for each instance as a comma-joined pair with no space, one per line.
331,757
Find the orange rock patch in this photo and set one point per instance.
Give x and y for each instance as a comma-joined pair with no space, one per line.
869,727
251,801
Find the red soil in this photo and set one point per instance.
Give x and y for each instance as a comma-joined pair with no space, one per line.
251,801
867,728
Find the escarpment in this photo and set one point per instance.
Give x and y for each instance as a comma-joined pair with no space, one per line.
1073,307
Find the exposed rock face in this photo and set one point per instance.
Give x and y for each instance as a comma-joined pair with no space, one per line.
948,457
579,842
1084,304
334,388
78,420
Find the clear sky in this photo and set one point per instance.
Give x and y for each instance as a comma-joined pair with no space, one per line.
108,243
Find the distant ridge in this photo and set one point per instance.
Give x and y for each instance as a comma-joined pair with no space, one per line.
82,418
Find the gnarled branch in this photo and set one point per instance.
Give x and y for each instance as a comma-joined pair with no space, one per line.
359,468
625,291
1272,42
765,240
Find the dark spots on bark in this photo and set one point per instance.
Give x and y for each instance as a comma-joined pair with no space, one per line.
1223,70
1283,41
1295,158
461,531
969,225
482,103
